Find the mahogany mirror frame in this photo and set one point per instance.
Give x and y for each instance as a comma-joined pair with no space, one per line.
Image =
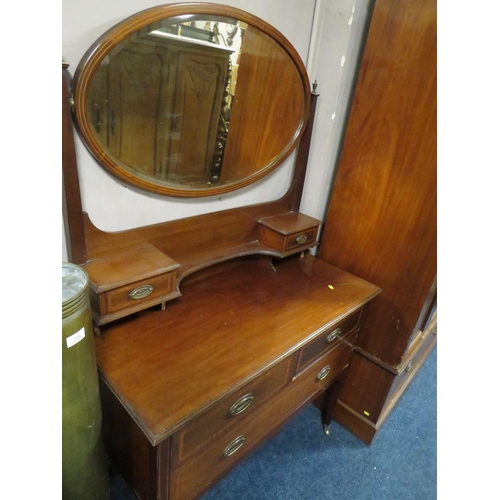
115,35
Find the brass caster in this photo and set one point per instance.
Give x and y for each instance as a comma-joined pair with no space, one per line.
326,429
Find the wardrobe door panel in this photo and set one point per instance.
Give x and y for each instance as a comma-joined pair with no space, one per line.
381,222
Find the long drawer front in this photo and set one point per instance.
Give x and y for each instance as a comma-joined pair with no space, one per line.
230,411
226,449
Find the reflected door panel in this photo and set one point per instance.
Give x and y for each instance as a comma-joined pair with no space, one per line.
136,78
200,81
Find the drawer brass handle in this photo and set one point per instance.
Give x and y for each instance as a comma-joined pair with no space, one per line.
409,367
233,446
333,335
301,239
241,405
140,292
323,373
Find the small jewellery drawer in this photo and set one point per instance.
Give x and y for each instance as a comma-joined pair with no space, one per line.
231,410
300,239
220,455
289,231
329,339
128,281
134,295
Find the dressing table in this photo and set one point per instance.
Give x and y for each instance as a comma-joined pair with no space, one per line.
210,331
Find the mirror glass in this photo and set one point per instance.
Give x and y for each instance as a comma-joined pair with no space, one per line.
192,105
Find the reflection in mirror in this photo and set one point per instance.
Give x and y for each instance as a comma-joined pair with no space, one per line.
196,103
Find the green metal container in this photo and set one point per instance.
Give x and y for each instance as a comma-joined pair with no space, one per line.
84,467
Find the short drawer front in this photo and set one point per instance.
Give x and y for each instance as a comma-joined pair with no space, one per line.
302,238
329,339
285,243
330,364
141,292
223,453
231,410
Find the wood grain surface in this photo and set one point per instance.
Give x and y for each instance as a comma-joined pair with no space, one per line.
168,366
381,222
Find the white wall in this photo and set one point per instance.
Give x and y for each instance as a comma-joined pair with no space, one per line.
333,64
323,33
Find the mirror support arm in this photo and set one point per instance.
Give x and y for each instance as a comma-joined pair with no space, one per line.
303,157
72,204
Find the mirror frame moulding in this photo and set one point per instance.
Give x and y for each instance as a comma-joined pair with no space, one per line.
116,34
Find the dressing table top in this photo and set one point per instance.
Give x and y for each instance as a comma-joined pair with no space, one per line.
167,366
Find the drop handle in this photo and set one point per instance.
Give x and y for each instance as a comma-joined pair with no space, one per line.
141,292
323,373
301,239
333,335
241,405
233,446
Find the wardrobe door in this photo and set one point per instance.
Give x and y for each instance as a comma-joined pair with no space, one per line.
381,220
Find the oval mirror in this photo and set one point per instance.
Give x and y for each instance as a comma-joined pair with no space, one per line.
191,99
